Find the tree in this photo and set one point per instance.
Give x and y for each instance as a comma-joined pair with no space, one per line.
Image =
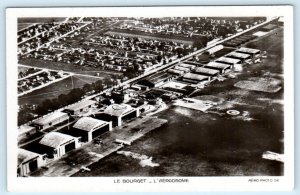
87,87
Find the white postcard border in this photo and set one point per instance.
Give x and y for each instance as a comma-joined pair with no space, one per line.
95,184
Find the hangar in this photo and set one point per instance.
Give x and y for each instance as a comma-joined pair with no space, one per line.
229,61
50,120
214,49
176,72
57,144
187,65
78,107
28,162
252,52
222,68
194,78
89,128
206,71
118,113
156,79
240,56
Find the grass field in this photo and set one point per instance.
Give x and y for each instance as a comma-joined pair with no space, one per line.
23,25
40,20
22,68
160,37
68,67
54,90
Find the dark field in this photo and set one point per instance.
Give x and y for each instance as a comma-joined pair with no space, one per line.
23,25
55,89
67,67
39,20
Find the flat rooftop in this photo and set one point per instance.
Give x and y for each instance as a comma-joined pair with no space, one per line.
217,65
193,76
206,71
174,71
50,118
238,55
228,60
248,50
190,66
81,104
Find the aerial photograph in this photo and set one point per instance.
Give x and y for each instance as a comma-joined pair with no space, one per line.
151,97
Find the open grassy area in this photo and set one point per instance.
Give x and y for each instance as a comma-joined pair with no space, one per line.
40,20
23,25
67,67
144,35
54,90
22,69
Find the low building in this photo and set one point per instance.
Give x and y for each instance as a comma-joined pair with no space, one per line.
229,61
186,65
206,71
57,144
269,27
28,162
222,68
78,107
214,49
89,128
240,56
176,72
156,79
120,96
193,63
214,41
182,69
250,51
50,120
118,113
195,78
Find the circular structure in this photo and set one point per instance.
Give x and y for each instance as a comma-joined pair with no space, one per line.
233,112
